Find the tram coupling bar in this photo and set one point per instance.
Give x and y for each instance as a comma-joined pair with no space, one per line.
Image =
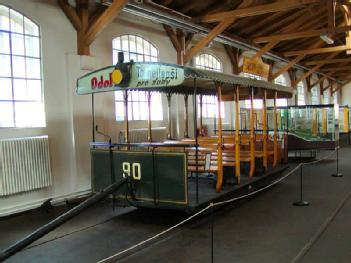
60,220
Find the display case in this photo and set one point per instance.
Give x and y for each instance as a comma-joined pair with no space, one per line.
308,126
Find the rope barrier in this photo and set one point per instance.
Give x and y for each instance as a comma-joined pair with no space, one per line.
212,205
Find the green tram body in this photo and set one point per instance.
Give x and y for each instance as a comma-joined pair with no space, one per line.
159,179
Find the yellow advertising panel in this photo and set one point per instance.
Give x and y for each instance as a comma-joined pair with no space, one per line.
256,67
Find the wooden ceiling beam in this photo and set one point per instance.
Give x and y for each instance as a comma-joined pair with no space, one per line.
327,61
347,81
179,41
331,4
173,37
89,27
275,42
265,49
280,24
257,10
233,54
296,60
304,43
302,34
311,71
286,67
206,40
320,80
263,23
330,84
316,51
82,7
188,37
306,74
336,69
104,19
71,14
189,6
346,11
308,83
292,76
212,34
167,2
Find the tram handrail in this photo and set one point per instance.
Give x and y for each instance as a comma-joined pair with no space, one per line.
146,144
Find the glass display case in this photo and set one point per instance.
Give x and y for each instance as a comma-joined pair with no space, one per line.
308,126
310,122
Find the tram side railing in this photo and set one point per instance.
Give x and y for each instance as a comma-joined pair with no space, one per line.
210,208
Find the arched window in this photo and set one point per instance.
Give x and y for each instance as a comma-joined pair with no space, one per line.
335,98
281,80
326,96
300,94
209,103
209,62
314,95
21,96
140,50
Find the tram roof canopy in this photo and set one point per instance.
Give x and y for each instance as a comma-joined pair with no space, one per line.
169,78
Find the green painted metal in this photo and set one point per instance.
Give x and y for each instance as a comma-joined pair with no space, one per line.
139,76
159,179
163,77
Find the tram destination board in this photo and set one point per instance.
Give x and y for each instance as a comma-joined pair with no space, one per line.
158,179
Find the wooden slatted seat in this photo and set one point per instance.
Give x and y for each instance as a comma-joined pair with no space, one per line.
208,146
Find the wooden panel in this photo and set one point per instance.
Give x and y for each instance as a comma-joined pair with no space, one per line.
258,10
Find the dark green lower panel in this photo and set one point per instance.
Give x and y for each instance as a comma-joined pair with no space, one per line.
159,179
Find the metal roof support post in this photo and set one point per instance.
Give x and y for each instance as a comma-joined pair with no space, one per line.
237,139
169,128
126,124
93,114
200,98
264,128
149,132
196,141
219,145
252,136
275,141
186,121
286,132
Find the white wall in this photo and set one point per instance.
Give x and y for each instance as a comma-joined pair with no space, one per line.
346,95
58,41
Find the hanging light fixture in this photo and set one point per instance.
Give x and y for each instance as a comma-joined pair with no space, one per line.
327,39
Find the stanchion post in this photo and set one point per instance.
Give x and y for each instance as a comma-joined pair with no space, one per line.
301,202
212,219
337,174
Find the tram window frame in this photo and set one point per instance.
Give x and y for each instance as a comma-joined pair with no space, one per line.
22,106
140,50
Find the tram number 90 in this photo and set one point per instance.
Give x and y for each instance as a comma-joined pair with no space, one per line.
135,172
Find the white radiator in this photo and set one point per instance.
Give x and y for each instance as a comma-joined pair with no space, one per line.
159,134
24,164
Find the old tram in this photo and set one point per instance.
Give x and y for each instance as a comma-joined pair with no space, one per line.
187,173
